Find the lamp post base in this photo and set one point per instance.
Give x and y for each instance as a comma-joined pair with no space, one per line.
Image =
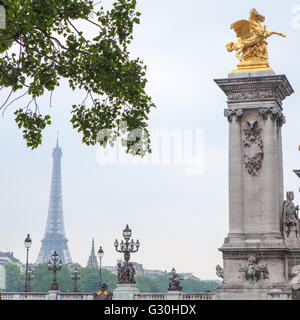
173,295
53,295
125,292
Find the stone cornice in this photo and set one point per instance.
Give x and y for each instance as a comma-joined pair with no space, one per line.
244,250
256,89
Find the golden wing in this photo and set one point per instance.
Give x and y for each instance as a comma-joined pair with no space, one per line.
242,28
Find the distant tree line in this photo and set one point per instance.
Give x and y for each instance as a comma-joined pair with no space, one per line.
89,281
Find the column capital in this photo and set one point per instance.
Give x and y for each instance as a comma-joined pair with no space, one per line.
229,114
275,113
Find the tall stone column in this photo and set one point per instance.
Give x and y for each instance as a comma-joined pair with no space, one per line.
255,241
273,170
236,217
281,178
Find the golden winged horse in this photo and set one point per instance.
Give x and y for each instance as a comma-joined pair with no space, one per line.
251,44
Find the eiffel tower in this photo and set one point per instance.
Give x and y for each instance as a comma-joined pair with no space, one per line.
55,238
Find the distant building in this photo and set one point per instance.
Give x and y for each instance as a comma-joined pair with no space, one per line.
154,273
92,262
186,276
8,257
140,271
2,278
111,269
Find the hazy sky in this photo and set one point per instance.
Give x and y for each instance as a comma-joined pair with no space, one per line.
181,220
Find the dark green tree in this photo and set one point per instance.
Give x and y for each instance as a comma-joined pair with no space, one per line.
89,280
43,278
191,285
43,44
64,280
14,278
162,283
146,284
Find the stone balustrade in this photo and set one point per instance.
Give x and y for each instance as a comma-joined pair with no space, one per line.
171,296
150,296
45,296
89,296
197,296
22,296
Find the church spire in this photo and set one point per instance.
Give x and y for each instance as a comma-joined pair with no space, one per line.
93,249
92,262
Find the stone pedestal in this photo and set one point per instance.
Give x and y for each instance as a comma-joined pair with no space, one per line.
53,295
296,283
173,295
256,258
125,292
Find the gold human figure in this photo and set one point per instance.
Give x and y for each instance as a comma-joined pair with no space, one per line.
251,44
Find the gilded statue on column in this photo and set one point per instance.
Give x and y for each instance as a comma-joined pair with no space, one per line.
251,44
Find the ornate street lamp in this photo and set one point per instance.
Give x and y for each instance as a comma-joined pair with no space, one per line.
27,243
126,272
100,255
54,266
30,277
75,276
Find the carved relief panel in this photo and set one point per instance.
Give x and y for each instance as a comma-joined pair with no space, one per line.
252,148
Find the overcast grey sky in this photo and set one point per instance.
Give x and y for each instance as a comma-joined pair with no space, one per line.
181,220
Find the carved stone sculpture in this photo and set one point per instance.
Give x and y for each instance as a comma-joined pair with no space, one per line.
126,273
174,281
229,114
290,217
131,273
251,44
253,272
275,113
253,148
120,274
220,272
